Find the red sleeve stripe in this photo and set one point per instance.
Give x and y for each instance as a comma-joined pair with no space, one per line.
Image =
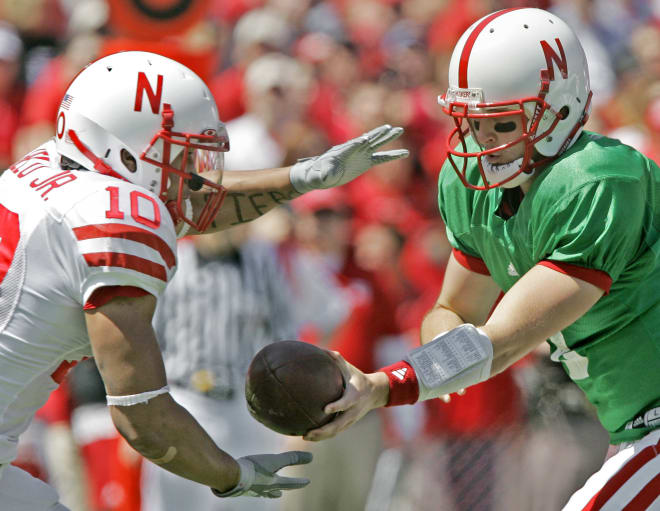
598,278
127,232
128,261
472,263
104,294
404,388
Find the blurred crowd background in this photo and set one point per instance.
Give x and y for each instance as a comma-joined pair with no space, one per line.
361,264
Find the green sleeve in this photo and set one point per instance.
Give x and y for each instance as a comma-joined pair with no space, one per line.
599,226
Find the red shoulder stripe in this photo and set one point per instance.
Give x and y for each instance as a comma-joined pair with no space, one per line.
127,261
128,232
472,263
596,277
106,293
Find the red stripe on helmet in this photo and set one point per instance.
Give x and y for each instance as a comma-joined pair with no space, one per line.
469,44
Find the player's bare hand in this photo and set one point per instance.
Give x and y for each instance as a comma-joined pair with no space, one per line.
363,393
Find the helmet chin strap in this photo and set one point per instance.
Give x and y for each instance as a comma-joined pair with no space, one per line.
499,172
177,219
186,226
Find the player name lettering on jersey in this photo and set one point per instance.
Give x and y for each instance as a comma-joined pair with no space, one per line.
37,162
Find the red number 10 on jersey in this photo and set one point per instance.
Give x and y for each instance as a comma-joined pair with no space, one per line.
137,198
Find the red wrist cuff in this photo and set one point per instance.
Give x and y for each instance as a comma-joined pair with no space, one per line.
404,389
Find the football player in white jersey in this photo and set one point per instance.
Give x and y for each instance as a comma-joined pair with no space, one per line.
88,230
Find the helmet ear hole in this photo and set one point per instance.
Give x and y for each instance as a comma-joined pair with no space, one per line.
564,112
128,160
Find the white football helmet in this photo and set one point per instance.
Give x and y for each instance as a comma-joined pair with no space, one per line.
517,61
155,110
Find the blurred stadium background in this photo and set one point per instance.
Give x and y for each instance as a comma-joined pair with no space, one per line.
291,78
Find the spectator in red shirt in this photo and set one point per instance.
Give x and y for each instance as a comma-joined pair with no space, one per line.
256,33
11,51
42,99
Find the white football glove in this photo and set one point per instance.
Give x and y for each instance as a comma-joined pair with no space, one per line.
343,163
258,475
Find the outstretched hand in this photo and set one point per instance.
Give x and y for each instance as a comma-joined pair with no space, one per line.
259,475
342,163
363,393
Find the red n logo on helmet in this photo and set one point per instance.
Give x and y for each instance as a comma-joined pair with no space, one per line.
143,86
551,56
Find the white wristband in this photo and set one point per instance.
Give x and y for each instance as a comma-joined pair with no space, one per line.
134,399
452,361
245,481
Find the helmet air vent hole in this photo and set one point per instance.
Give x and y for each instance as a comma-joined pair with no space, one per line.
550,139
551,22
107,153
109,68
564,112
492,30
526,25
578,100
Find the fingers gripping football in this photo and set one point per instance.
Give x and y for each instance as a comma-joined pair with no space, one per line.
358,399
342,163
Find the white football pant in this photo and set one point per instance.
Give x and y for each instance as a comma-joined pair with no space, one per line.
628,480
19,491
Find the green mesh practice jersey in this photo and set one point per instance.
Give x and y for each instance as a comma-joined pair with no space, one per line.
596,207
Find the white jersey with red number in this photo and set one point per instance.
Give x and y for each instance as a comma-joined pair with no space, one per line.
63,235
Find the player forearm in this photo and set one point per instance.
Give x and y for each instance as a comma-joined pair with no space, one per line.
509,346
251,194
129,361
542,303
166,434
437,320
466,297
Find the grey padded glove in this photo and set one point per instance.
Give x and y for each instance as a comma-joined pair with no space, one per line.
258,475
343,163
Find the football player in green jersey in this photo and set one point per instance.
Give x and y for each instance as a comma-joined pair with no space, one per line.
567,224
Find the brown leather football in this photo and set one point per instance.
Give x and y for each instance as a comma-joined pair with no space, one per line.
289,383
